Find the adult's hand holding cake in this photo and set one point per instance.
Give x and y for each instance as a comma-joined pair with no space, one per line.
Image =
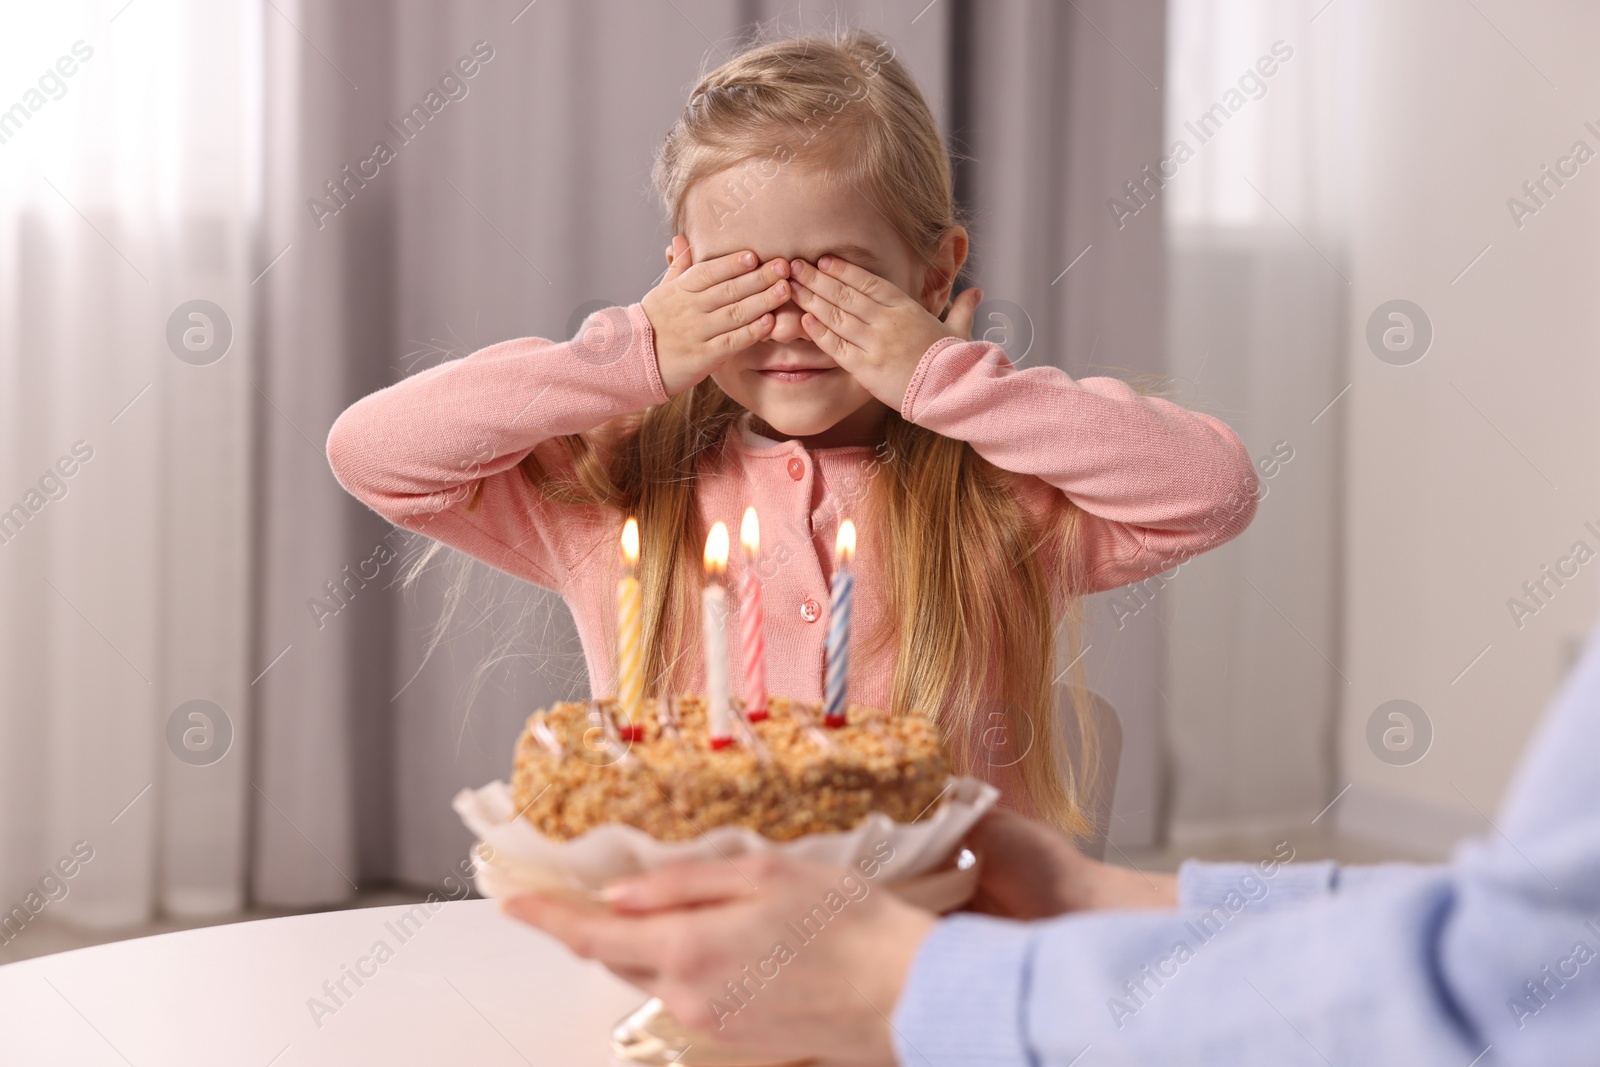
840,945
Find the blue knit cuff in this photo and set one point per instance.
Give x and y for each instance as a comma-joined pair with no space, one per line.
964,998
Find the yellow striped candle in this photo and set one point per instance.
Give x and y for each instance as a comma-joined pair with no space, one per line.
630,638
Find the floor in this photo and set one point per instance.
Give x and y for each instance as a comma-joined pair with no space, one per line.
44,937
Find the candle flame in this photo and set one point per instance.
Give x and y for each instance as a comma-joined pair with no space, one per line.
717,549
750,532
630,541
845,545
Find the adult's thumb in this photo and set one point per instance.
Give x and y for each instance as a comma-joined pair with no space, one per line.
678,885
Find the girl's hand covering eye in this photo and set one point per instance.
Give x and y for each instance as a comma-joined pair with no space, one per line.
705,313
870,327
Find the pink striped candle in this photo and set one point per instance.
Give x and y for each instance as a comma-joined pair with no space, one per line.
755,655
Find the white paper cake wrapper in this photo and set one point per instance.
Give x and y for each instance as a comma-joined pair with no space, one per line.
513,857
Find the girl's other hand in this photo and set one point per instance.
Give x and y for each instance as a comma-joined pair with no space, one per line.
870,327
1030,871
705,313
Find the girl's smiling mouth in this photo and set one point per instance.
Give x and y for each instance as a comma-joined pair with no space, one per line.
794,373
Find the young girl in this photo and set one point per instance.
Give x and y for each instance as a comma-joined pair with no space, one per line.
803,354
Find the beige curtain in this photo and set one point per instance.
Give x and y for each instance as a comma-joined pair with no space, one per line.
127,194
1258,290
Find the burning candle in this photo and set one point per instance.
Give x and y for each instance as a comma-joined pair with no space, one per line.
714,613
755,656
838,652
630,638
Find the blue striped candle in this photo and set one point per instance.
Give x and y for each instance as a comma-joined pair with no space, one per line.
838,652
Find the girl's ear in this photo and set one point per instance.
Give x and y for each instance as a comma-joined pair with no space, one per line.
941,272
674,245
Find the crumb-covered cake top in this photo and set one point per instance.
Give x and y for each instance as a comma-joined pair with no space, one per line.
784,776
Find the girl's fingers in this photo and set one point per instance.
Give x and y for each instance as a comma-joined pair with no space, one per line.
848,285
749,319
703,276
837,319
835,346
736,341
752,307
747,284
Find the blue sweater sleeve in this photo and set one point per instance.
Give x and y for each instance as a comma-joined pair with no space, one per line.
1204,886
1268,885
1407,965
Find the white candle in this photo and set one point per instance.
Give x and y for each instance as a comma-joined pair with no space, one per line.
714,613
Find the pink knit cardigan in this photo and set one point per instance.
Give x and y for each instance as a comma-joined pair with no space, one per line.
1157,483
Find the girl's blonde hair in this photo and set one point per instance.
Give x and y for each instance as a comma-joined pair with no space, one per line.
971,581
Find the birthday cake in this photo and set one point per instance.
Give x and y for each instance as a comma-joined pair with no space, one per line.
784,776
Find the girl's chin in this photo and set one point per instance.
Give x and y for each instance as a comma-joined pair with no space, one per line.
796,420
797,427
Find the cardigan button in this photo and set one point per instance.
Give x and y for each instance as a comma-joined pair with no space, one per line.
797,468
810,610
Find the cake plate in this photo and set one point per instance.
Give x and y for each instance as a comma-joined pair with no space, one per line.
650,1035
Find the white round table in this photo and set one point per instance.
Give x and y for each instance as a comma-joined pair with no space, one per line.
461,984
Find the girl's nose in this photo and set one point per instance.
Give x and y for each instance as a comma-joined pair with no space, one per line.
787,327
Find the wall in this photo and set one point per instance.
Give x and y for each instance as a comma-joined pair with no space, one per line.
1473,467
